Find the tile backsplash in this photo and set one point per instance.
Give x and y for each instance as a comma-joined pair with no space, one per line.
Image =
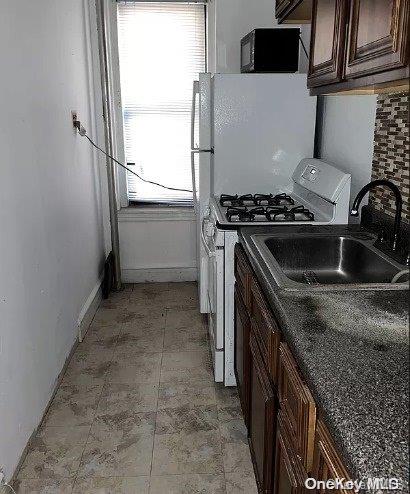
391,151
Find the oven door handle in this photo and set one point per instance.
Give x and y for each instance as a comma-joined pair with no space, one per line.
208,251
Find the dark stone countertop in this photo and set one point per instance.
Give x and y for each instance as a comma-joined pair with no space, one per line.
352,348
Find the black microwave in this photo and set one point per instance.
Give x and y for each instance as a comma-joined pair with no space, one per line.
270,50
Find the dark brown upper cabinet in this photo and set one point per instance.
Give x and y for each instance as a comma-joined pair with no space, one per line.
377,39
358,45
327,42
293,11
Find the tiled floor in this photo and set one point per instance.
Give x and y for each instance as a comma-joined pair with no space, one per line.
138,411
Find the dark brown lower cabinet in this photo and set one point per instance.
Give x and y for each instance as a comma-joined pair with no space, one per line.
261,420
327,464
298,406
289,477
242,353
285,437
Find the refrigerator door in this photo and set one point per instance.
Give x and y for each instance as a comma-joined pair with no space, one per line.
201,149
263,126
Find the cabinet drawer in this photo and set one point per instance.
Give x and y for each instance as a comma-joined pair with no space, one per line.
298,406
266,330
243,273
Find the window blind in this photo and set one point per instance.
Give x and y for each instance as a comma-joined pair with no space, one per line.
161,51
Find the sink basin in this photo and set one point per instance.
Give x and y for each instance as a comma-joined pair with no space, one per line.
318,261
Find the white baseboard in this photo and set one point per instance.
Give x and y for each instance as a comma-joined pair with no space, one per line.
158,275
89,309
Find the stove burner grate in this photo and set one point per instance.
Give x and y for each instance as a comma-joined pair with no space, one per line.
262,199
243,214
298,213
281,199
227,200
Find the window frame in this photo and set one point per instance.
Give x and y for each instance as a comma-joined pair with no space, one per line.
117,110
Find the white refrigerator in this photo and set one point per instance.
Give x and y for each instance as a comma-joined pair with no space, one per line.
249,132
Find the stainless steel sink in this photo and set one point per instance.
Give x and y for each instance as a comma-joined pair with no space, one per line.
333,262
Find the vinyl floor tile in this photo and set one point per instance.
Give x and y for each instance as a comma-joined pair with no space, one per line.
73,405
188,484
115,453
183,453
138,411
55,453
112,485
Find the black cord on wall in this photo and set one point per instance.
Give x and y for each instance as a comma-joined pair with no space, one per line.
128,170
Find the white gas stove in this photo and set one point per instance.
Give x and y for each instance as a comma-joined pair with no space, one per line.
319,194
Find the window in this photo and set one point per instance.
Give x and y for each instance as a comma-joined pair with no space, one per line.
161,51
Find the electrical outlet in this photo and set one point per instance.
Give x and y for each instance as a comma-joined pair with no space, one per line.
74,118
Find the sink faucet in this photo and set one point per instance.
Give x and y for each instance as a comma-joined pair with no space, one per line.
399,205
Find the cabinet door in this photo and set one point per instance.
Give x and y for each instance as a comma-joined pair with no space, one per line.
377,39
261,421
265,328
327,43
242,353
289,477
298,406
326,461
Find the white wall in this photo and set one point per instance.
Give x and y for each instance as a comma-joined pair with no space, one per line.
347,136
166,249
52,219
229,21
157,245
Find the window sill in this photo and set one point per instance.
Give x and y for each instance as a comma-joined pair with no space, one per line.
155,213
